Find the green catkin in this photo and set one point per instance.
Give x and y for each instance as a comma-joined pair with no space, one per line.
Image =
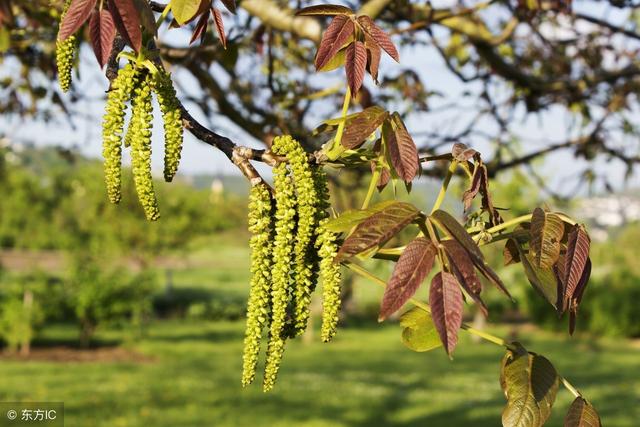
65,55
258,310
304,253
280,273
172,116
329,271
112,127
140,129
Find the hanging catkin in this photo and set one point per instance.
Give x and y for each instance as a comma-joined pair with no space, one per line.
258,310
112,127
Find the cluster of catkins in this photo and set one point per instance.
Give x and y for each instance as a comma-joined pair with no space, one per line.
290,249
65,55
136,84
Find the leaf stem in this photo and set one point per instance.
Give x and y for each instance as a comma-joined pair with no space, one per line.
445,185
336,147
375,177
164,14
570,387
505,225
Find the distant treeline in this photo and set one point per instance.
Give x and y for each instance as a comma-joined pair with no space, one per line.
54,199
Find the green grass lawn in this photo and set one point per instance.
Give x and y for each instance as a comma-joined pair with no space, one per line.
365,378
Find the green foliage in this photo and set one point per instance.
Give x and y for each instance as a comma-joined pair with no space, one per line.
21,313
61,206
102,295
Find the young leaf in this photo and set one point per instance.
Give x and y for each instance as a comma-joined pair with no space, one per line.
575,260
403,151
324,9
146,16
355,65
462,267
362,125
457,232
377,229
547,230
102,31
217,20
200,30
511,253
445,299
381,38
184,10
77,14
339,31
230,5
335,62
414,265
462,153
349,219
577,297
543,280
373,57
127,21
530,383
419,333
479,175
581,414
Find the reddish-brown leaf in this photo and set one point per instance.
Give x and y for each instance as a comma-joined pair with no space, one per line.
403,151
217,20
230,5
462,267
324,9
378,34
491,276
147,18
102,31
575,260
476,182
359,127
335,36
373,57
77,14
547,230
200,31
510,253
462,153
457,232
6,14
412,267
377,229
127,20
355,66
582,414
577,296
445,299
